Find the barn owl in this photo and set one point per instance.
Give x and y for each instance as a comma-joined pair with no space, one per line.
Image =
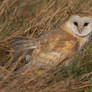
59,46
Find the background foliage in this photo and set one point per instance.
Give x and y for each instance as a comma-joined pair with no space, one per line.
30,18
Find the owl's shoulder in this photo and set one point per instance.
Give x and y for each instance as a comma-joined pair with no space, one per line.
56,35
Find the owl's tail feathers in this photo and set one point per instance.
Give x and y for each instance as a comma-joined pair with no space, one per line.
23,46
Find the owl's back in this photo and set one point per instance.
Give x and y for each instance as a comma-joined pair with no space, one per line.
55,47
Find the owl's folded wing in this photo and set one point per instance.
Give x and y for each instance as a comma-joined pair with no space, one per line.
50,49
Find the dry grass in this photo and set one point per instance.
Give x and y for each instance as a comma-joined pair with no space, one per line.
31,18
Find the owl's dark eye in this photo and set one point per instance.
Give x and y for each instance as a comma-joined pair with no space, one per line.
85,24
75,23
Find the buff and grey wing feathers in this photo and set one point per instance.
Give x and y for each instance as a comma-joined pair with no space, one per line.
23,45
50,50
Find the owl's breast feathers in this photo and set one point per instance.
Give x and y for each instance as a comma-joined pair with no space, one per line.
55,47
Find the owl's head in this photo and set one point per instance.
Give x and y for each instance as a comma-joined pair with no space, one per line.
81,24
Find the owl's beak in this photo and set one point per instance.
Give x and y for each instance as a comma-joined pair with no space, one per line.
80,30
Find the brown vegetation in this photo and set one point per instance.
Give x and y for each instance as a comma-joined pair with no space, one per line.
31,18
